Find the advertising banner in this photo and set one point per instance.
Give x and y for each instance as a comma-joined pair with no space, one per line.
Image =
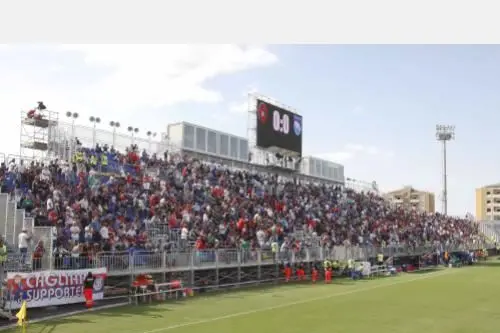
50,288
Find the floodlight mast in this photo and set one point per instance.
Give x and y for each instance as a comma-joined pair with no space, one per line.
445,133
73,116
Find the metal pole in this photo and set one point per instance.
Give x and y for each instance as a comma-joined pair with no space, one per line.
93,136
72,140
114,136
63,151
445,181
445,133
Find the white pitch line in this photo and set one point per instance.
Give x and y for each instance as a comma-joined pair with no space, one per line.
285,305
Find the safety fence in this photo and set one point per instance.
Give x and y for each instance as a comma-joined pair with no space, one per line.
490,229
124,263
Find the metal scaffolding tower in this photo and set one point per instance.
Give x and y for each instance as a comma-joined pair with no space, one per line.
38,132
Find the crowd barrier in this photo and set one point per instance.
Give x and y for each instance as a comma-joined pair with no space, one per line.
125,263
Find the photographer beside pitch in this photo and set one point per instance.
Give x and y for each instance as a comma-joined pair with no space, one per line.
88,290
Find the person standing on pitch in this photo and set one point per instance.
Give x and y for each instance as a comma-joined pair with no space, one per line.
88,290
301,273
328,275
288,272
314,274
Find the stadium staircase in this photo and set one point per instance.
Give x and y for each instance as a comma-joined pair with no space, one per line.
491,230
12,221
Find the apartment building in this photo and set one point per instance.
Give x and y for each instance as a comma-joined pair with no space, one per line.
410,198
488,203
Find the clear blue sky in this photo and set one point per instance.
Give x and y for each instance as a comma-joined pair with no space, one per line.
372,108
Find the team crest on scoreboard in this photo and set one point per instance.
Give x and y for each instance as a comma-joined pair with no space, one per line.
297,125
262,112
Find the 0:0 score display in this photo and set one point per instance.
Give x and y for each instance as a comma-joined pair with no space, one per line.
281,123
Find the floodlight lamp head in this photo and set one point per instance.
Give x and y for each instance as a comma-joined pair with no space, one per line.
92,119
136,130
117,124
69,114
112,123
97,120
445,128
445,132
130,128
75,115
148,133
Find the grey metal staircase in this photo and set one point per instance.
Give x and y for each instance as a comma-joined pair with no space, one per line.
490,229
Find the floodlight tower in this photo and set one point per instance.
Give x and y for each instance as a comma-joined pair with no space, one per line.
73,116
94,121
115,125
133,131
150,136
445,133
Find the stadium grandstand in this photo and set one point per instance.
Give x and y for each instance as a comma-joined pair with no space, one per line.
195,205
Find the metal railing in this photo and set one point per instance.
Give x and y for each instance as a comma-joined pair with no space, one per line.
124,263
87,134
490,229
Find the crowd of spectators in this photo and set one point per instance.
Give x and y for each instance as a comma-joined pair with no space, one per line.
104,200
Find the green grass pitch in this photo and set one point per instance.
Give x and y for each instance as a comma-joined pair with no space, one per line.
455,300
